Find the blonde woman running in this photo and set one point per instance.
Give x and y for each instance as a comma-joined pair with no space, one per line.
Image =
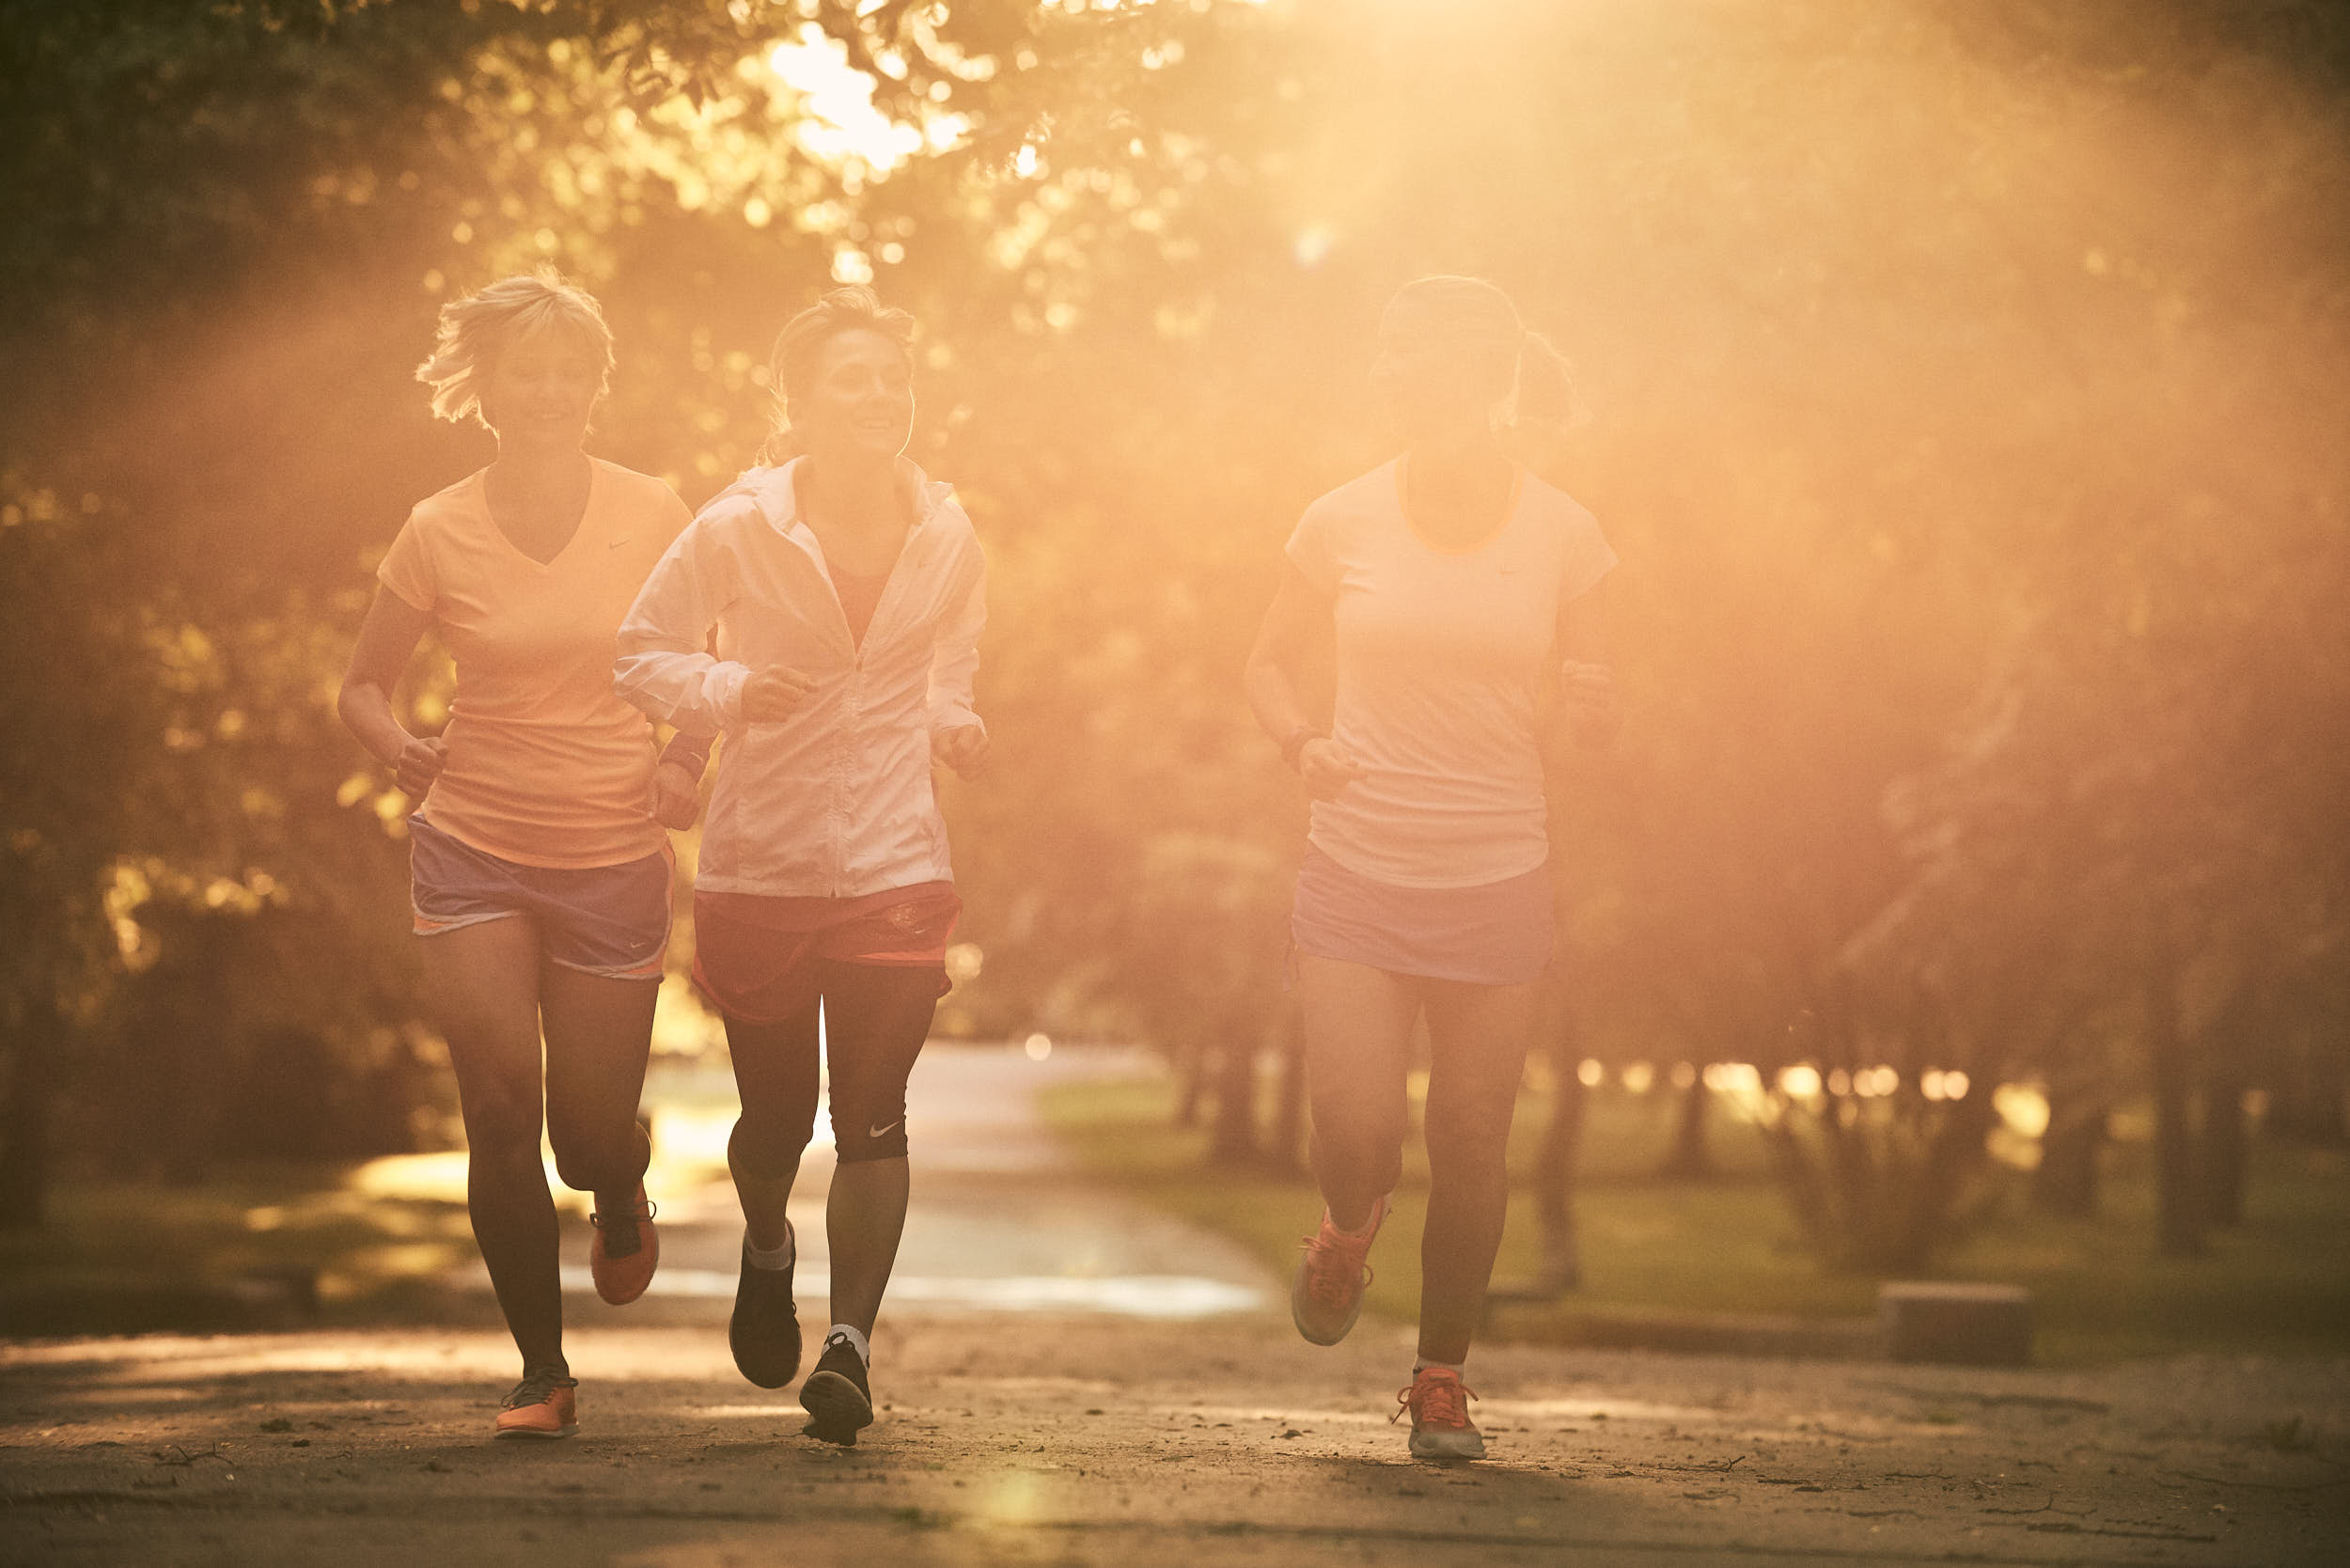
845,593
540,865
1454,585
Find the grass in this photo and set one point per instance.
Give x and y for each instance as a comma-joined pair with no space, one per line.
376,1238
370,1256
2278,1284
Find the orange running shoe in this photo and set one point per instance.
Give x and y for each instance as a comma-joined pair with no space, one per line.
1327,1296
543,1404
625,1252
1441,1428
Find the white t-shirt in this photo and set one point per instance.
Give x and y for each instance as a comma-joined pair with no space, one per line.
1441,658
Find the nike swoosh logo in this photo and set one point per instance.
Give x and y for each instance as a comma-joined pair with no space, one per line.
615,544
876,1132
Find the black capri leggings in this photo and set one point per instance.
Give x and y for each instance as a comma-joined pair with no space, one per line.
876,1017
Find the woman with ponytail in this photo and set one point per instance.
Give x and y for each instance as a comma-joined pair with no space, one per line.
845,593
1455,589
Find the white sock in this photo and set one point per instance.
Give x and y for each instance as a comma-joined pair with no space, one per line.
1421,1364
774,1257
855,1337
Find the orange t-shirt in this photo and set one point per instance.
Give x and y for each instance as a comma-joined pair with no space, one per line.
547,766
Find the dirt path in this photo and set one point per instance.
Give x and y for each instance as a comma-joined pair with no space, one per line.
1098,1440
1123,1435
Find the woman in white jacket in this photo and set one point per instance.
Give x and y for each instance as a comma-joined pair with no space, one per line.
845,593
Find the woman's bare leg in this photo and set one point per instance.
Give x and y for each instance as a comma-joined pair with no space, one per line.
483,979
1478,1037
599,1034
1359,1038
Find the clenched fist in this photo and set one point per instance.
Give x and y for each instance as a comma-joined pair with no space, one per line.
675,797
419,763
775,693
962,748
1326,767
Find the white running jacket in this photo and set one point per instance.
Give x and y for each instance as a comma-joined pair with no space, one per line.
836,800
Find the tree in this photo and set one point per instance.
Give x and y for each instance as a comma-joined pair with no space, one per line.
1961,391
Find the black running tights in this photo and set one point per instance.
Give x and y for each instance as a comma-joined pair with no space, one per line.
876,1017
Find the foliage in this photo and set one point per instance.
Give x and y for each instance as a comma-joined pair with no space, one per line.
1960,383
130,1256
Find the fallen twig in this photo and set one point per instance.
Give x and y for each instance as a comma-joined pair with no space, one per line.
2262,1485
2067,1527
185,1458
2028,1402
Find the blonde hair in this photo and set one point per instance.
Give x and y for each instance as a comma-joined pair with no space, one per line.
475,330
1472,322
800,346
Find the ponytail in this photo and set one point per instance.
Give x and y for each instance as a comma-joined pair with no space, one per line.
1542,405
1525,385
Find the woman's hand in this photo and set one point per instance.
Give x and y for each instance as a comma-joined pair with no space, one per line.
1587,701
962,748
675,797
775,693
419,763
1326,767
387,638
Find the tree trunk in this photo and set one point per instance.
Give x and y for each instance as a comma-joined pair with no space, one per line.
1853,1181
2239,1053
1555,1165
1801,1180
1285,1146
1233,1140
2066,1181
2220,1171
1192,1066
1955,1152
1690,1158
24,1119
2178,1203
2312,1088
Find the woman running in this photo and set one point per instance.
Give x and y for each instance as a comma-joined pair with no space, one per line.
845,593
1452,585
540,866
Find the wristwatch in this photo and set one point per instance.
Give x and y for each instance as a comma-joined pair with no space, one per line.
690,752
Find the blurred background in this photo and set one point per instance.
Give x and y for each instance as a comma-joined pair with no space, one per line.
1961,382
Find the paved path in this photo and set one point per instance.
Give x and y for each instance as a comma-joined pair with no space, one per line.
997,1222
1104,1436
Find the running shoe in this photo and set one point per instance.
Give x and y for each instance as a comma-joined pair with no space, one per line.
625,1252
1441,1429
543,1404
837,1397
1327,1296
764,1331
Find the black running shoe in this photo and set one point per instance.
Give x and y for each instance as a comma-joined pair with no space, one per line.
764,1331
837,1397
